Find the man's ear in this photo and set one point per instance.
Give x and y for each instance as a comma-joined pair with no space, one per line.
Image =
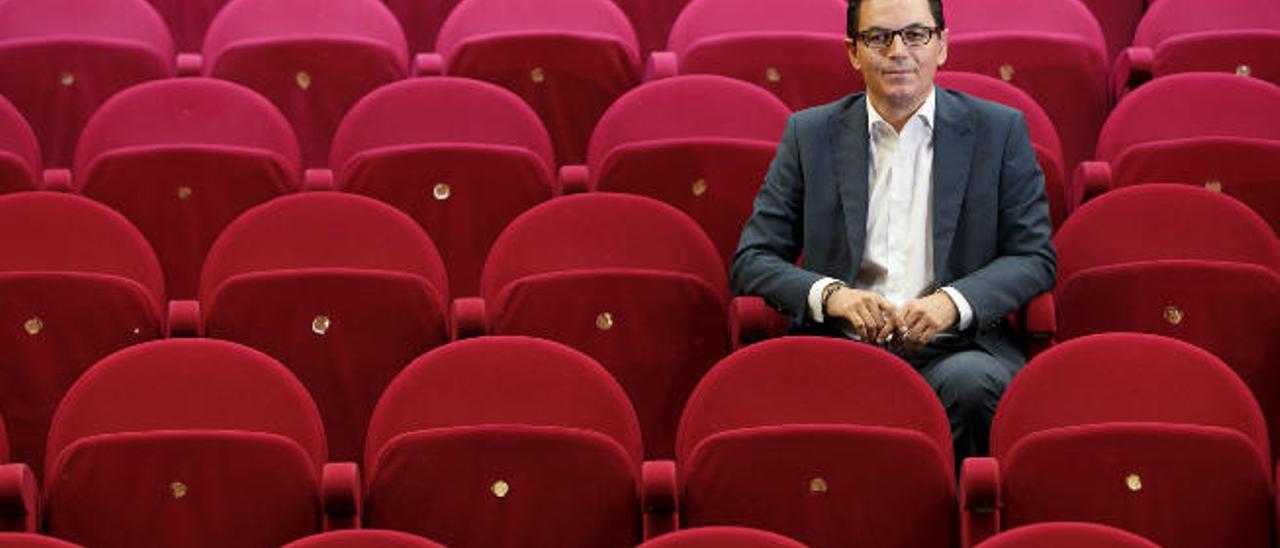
851,48
942,41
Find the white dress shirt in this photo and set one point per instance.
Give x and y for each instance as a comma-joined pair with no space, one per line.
897,260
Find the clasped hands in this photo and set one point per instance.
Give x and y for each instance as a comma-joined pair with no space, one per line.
874,319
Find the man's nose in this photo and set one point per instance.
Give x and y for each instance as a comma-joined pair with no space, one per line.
897,46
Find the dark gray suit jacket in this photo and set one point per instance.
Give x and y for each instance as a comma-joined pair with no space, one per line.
991,229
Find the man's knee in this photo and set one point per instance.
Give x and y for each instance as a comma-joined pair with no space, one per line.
968,381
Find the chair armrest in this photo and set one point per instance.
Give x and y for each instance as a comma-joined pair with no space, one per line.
1092,178
660,498
468,318
317,179
190,64
340,495
752,321
979,500
184,319
428,64
661,64
19,499
1040,324
574,179
1132,68
56,180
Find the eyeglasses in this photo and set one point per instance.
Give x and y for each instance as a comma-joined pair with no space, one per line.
913,36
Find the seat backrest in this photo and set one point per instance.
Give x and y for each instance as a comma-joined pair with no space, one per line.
1066,17
243,21
601,231
715,536
109,21
811,380
32,540
363,538
1208,105
20,164
1156,222
1043,132
1066,534
1167,19
1129,378
702,19
475,18
480,381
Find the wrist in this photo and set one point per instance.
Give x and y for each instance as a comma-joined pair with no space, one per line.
828,292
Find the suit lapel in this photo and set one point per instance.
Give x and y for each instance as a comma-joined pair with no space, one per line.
849,142
953,143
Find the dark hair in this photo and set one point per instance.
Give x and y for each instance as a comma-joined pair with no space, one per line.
851,19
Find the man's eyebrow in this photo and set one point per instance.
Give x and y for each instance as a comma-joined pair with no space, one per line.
912,25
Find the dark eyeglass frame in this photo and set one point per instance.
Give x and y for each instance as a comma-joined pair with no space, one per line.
930,32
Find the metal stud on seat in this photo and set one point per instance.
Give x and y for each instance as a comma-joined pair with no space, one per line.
1006,72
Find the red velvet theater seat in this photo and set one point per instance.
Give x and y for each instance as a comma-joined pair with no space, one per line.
506,442
1141,432
688,142
188,20
569,59
190,443
312,59
794,49
717,537
1216,139
77,282
1067,534
1118,19
20,163
652,20
32,540
421,20
827,441
60,59
363,538
462,157
630,281
1044,136
1052,49
183,157
342,289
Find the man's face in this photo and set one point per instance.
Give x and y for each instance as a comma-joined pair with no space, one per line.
898,75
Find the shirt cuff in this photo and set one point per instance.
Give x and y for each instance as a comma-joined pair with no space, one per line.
962,306
815,299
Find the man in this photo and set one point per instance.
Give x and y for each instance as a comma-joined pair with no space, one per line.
920,215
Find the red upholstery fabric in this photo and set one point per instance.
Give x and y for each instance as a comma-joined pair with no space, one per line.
685,141
421,20
1215,140
365,538
481,142
793,49
1053,50
1067,534
343,289
610,275
187,20
551,425
716,537
1044,136
1118,19
30,540
20,163
570,59
652,20
79,282
1142,432
776,436
183,157
313,60
223,447
1190,36
60,59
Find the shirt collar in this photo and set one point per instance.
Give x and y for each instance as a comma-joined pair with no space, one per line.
925,112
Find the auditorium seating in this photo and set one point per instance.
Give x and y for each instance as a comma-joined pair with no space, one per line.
1215,139
506,441
701,143
1230,36
1052,49
793,48
652,20
1148,434
78,282
1044,136
569,59
181,158
60,59
313,60
190,443
462,157
1067,534
717,537
1118,20
342,289
421,20
363,538
827,441
32,540
187,20
20,163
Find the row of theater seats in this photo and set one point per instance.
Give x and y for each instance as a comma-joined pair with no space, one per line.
570,59
182,157
517,441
